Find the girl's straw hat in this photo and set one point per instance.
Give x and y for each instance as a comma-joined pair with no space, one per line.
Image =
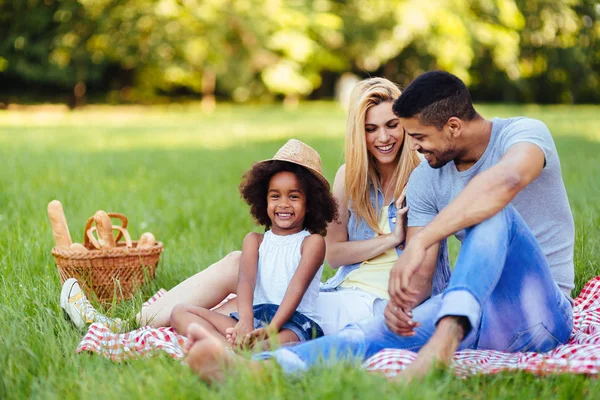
300,153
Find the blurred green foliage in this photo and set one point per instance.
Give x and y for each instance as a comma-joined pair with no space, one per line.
139,50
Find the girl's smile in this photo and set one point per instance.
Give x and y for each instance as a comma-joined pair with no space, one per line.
286,204
284,215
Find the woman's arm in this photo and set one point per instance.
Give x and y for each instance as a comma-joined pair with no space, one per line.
313,254
247,277
341,251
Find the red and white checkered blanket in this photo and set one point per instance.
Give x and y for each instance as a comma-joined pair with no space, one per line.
580,355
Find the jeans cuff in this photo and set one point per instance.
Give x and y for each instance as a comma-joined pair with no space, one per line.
289,361
461,303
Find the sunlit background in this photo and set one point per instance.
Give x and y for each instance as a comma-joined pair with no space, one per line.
155,108
78,52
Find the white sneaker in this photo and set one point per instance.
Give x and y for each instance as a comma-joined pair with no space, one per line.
80,310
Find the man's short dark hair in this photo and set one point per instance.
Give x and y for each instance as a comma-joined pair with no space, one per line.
434,97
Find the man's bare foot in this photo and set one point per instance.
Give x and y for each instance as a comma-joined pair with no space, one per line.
438,350
209,357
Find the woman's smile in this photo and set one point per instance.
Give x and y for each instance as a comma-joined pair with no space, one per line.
386,149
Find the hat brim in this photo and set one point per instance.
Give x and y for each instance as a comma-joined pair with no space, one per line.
316,173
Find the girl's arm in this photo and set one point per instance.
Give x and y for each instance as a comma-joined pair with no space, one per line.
247,277
340,251
313,254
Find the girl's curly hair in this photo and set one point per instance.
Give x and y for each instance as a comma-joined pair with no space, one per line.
321,207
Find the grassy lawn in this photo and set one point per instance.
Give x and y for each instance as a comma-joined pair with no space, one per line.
175,172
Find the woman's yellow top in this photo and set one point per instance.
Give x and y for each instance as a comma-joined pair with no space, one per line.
373,275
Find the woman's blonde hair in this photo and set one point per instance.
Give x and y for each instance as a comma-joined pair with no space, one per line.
360,165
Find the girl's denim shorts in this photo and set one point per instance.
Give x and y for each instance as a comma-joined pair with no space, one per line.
304,327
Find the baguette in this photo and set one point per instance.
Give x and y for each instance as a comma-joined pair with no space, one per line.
146,241
104,230
78,248
60,229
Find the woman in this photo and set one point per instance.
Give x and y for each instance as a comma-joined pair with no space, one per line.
362,244
366,240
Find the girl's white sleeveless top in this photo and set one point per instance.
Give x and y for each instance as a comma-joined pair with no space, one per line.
278,259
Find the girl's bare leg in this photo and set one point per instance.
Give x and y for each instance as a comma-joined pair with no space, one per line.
205,289
184,315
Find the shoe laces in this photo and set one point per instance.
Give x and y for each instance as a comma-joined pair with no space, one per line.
84,307
90,314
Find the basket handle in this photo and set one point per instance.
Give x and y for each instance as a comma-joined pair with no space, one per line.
90,221
90,239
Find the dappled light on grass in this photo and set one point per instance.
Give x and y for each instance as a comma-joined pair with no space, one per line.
184,126
563,120
99,128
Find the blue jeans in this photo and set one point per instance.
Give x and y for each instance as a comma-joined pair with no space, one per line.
501,283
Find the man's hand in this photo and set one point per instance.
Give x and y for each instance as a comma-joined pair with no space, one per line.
399,321
401,294
403,298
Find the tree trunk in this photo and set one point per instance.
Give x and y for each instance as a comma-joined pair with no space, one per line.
209,80
78,99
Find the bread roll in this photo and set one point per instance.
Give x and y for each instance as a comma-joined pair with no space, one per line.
78,248
104,229
147,240
60,229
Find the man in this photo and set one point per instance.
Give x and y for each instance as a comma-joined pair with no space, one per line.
495,184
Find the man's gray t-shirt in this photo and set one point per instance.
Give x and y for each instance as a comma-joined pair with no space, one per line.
543,203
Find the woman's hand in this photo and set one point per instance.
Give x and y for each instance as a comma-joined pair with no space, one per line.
399,233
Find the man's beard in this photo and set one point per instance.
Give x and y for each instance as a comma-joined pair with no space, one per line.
439,159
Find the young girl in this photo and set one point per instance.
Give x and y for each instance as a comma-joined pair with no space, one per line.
280,270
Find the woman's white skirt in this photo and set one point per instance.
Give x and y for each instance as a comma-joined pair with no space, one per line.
345,306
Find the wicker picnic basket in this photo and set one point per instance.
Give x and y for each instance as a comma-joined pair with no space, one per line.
113,273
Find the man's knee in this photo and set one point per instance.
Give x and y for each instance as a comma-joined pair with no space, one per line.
498,225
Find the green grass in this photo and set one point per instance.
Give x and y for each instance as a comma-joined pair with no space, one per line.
174,171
